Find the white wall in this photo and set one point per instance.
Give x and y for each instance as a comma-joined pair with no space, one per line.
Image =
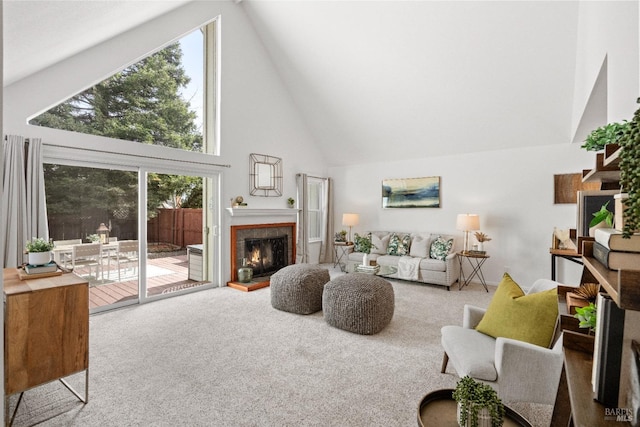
607,31
511,190
257,114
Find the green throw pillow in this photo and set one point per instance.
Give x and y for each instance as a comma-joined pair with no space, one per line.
512,314
399,246
440,248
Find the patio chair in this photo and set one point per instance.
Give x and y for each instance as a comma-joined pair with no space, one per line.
127,253
64,257
87,255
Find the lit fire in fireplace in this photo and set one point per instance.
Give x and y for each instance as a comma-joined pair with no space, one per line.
266,255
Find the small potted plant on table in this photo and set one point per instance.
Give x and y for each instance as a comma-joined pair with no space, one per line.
39,250
478,404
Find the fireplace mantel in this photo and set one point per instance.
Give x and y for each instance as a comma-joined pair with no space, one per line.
240,212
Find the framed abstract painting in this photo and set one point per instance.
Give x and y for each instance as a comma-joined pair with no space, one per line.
411,192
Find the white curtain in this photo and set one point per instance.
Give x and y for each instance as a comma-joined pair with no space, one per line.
326,254
24,210
302,245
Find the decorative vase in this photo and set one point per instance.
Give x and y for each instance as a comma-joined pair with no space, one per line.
365,260
39,258
245,273
484,418
481,246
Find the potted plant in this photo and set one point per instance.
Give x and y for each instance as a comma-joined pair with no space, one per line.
601,218
478,404
587,317
364,244
290,202
93,238
39,250
341,236
607,134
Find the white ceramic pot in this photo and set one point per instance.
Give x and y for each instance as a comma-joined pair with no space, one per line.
365,260
39,258
484,418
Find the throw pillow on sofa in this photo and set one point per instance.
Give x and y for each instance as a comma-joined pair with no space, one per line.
399,246
440,248
420,247
380,244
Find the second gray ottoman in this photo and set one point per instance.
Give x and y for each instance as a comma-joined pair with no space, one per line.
358,302
297,288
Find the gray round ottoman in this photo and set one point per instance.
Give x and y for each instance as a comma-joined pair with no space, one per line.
358,302
297,288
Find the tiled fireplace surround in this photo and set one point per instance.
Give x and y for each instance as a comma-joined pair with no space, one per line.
255,231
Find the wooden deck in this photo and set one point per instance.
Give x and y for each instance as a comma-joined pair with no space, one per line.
165,275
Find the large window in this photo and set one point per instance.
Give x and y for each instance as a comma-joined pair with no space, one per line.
315,207
158,100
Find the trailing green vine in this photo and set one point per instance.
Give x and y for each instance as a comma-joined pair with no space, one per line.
473,396
630,174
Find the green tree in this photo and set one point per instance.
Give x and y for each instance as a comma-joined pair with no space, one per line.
142,103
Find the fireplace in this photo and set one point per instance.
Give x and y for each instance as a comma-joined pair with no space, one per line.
268,248
266,255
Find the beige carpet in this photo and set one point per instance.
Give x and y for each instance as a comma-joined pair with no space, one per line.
222,357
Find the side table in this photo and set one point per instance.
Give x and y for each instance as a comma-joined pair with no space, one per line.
46,333
340,250
475,261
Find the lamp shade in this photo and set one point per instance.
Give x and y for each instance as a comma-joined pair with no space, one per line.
350,219
468,222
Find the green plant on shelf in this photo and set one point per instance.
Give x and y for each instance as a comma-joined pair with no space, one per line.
587,317
603,214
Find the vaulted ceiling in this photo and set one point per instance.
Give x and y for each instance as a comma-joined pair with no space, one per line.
372,80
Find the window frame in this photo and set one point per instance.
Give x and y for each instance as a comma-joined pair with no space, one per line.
320,211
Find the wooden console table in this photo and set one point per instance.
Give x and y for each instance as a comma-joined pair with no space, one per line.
46,332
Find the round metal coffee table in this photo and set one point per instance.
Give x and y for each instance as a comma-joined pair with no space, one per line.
438,409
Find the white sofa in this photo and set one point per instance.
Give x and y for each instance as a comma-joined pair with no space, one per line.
433,271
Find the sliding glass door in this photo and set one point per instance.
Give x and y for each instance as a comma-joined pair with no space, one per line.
93,214
135,235
176,234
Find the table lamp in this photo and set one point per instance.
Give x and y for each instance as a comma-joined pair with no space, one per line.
350,219
466,223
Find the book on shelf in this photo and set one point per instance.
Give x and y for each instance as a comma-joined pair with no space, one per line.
612,239
607,352
37,269
615,260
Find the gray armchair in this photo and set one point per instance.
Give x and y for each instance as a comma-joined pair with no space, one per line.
519,371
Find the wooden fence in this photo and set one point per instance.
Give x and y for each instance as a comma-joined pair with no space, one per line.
181,227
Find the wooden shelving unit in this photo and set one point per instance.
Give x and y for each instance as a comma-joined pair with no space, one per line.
622,285
575,399
612,155
607,170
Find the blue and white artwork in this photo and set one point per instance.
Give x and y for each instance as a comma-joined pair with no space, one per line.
411,192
